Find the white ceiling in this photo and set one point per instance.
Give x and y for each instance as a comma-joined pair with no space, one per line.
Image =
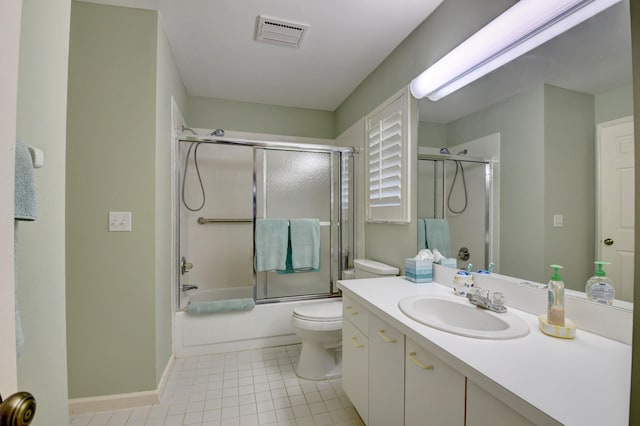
213,42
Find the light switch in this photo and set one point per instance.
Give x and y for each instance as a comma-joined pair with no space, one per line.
119,221
558,221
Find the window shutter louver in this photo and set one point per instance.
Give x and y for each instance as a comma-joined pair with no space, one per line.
387,163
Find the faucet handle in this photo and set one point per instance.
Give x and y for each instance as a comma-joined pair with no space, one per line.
497,298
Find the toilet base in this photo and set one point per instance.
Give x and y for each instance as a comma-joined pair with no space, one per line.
318,363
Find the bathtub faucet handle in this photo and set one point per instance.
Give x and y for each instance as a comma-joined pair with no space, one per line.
186,287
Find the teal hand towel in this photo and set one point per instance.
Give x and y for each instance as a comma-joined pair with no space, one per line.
422,238
221,306
305,244
438,236
25,188
271,240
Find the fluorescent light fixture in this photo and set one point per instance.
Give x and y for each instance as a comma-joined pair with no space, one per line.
521,28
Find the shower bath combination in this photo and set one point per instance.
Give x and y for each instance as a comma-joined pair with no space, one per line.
224,185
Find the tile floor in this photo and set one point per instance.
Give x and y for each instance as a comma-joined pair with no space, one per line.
257,387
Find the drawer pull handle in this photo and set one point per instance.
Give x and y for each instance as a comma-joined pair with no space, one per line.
349,308
412,357
385,338
354,342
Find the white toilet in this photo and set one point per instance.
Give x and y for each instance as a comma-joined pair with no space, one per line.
319,327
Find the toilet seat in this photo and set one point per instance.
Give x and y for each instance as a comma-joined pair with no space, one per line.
319,312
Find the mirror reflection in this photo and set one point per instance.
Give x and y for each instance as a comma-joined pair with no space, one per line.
555,128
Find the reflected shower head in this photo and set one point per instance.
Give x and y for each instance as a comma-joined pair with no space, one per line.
217,132
444,151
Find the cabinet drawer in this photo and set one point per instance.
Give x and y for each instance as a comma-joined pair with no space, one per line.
356,313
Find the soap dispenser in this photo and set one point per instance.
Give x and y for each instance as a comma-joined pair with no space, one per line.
599,288
554,322
555,298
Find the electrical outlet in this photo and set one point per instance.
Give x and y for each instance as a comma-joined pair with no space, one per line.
119,221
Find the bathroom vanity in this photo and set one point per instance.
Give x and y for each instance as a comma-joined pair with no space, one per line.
399,371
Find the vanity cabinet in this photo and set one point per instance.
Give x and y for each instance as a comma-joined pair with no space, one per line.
355,356
435,393
393,380
386,374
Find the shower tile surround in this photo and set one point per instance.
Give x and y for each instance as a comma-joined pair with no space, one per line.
256,387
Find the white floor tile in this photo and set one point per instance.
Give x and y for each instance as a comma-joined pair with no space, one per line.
248,388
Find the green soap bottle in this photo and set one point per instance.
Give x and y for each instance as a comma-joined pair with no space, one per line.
599,287
555,298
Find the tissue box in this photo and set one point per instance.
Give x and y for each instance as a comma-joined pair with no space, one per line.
451,262
418,271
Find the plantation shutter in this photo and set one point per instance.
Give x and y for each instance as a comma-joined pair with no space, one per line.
387,155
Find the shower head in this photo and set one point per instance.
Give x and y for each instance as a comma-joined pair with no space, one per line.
463,152
217,132
444,151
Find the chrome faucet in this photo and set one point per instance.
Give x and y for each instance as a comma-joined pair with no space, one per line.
487,300
187,287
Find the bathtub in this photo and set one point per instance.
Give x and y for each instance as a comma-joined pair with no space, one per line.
266,325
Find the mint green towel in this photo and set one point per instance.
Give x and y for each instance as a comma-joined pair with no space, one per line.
305,244
221,306
422,239
271,241
438,237
25,188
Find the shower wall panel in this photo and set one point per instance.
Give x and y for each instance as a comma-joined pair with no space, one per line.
221,253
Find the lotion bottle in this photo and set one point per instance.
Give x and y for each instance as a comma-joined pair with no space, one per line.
599,288
555,302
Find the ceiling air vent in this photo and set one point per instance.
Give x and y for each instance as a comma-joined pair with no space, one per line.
280,32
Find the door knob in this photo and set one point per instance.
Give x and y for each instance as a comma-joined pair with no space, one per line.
608,242
17,410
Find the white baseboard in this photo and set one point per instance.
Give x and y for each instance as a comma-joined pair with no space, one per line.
123,400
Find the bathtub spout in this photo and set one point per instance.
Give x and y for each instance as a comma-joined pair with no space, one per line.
186,287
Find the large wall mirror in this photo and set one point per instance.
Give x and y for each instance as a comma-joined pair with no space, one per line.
553,118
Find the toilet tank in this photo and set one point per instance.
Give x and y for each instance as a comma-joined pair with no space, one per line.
366,268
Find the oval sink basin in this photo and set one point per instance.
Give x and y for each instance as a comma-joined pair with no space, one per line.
458,316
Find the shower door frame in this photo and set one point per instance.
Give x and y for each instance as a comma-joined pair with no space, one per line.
345,154
487,193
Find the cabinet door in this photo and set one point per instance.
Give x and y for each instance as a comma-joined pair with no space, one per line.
386,374
483,409
355,368
434,392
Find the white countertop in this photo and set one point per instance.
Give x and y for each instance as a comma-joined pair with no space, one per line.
582,381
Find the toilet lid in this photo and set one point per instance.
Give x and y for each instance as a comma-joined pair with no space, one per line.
329,311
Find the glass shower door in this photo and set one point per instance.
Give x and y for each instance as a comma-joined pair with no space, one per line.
292,185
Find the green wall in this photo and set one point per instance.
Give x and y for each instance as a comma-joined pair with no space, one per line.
40,259
208,113
111,166
569,184
519,120
616,103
